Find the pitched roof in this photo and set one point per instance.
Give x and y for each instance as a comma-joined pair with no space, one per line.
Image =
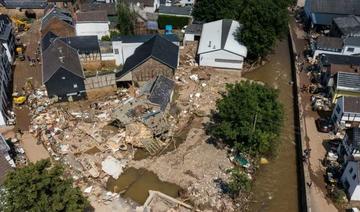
143,38
5,28
92,16
348,81
83,44
25,4
328,59
346,7
55,12
194,29
175,10
328,43
4,168
47,40
60,55
110,8
4,147
348,25
160,92
352,41
146,3
157,48
59,28
219,35
351,104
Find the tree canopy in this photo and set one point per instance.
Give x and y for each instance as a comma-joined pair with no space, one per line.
212,10
126,19
248,117
40,187
263,21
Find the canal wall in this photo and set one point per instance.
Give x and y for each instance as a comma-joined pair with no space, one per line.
303,170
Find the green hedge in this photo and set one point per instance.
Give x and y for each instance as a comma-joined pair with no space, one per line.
177,22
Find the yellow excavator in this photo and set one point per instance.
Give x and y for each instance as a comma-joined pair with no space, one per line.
20,25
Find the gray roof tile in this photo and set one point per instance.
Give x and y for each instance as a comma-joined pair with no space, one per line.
160,92
348,81
157,48
346,7
59,55
175,10
92,16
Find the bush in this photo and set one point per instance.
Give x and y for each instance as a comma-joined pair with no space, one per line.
105,38
176,21
239,181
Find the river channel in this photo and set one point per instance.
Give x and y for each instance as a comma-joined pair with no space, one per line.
276,185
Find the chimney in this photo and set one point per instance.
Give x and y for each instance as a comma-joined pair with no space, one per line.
209,44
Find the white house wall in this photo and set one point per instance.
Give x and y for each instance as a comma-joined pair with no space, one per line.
186,2
208,59
8,53
356,50
98,29
189,37
354,189
343,52
108,56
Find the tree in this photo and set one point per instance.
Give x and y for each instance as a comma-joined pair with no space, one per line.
212,10
126,19
248,118
264,21
40,187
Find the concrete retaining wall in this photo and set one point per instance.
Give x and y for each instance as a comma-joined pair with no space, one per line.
303,171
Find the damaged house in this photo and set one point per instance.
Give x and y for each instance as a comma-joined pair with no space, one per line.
147,111
157,56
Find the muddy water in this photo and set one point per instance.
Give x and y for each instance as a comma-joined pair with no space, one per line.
275,187
135,184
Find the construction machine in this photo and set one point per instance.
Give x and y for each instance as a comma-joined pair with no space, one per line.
20,25
20,53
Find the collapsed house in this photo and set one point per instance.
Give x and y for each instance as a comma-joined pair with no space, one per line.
148,111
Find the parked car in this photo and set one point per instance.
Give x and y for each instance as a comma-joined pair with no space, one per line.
324,125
